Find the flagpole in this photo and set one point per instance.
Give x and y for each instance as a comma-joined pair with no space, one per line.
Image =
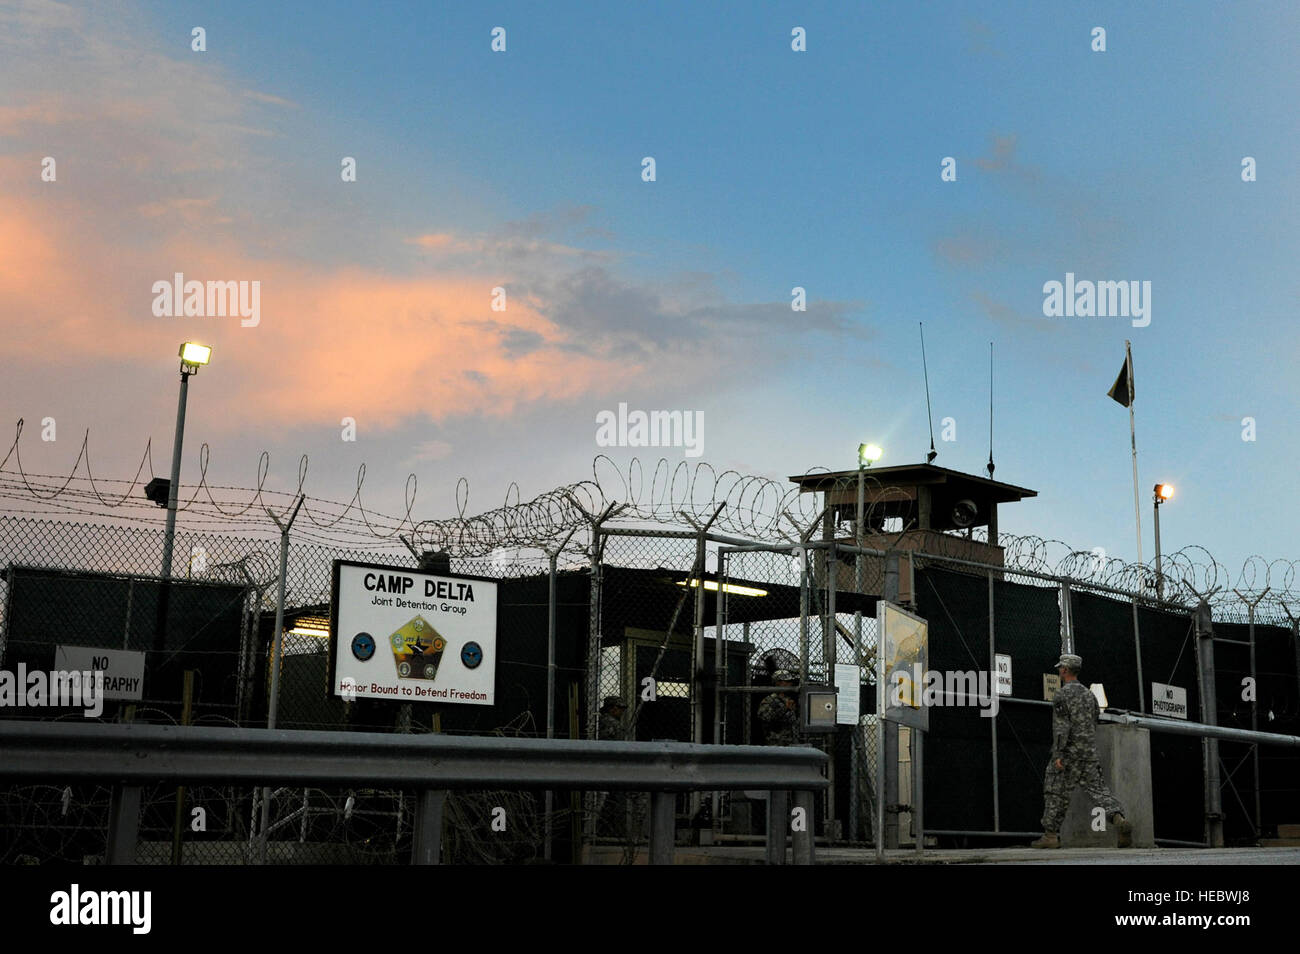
1132,433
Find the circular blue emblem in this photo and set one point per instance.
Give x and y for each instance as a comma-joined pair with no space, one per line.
363,646
471,654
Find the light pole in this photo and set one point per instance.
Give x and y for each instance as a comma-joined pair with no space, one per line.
193,356
1162,493
868,454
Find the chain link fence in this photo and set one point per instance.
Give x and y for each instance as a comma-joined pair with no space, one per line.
687,629
97,586
992,768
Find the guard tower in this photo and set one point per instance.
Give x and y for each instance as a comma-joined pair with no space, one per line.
914,507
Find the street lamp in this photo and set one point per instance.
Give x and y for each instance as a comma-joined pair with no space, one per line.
868,454
1161,493
193,356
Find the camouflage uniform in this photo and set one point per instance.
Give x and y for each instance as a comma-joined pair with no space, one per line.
1074,742
618,814
780,721
611,728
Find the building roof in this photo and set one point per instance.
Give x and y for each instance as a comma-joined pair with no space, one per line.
908,475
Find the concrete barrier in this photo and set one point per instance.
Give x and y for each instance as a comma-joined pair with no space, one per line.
1125,755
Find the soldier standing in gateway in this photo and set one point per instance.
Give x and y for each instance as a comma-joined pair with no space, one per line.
778,712
611,719
612,810
1074,757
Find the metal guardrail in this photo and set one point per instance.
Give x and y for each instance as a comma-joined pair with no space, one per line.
1200,729
128,756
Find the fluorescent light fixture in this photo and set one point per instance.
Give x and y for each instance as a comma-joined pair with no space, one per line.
194,354
735,588
309,631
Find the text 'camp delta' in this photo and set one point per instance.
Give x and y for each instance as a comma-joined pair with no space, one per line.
441,589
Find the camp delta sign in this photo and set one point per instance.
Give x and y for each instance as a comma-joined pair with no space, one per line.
407,636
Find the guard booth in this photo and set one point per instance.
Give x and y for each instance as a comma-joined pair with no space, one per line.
913,508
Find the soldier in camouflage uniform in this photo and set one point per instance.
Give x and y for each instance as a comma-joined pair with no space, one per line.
1073,760
778,712
611,719
612,807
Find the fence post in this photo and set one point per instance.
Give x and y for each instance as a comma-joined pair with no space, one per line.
889,749
778,823
593,601
552,557
831,657
663,834
855,753
1254,705
277,647
123,824
1067,619
697,643
720,677
1137,651
1295,642
593,632
187,701
719,656
426,843
993,722
697,640
1209,716
803,838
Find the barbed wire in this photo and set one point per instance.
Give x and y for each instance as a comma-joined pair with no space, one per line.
667,494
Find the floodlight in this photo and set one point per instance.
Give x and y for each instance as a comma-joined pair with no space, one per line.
195,355
868,454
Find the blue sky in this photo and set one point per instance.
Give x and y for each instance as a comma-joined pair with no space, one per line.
775,169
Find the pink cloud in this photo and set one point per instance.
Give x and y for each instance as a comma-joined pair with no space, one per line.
356,343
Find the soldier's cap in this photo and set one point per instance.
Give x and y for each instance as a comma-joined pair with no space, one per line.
1070,661
784,675
612,702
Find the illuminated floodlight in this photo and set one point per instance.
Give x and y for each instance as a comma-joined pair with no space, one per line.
194,356
734,588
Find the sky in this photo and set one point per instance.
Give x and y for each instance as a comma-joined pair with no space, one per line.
775,169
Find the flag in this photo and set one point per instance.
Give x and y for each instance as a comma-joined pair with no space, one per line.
1120,390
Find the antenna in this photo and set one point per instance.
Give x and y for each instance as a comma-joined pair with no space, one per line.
929,458
990,410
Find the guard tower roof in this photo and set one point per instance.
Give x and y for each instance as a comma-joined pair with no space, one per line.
914,475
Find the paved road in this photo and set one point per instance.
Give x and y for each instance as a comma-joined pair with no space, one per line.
1070,856
1007,856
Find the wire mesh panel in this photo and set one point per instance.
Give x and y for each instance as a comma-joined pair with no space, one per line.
959,790
1169,658
91,585
691,638
178,626
789,611
642,653
1259,783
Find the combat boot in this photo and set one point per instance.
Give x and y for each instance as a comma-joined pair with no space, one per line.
1123,830
1049,840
